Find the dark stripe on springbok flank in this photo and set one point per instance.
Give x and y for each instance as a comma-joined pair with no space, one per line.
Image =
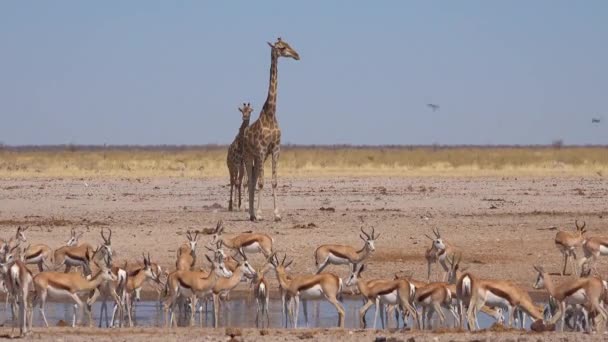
307,286
76,257
58,285
34,256
499,293
249,243
571,291
424,295
339,255
390,290
184,285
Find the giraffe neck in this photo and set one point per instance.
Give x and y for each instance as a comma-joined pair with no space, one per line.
268,111
244,125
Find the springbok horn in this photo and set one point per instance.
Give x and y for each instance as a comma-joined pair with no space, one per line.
430,238
373,232
365,233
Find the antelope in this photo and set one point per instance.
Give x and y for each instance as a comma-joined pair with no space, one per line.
477,292
68,285
193,285
399,292
245,242
582,291
261,292
454,274
115,289
345,255
313,286
438,252
224,285
74,256
19,238
134,283
186,254
567,242
593,248
18,281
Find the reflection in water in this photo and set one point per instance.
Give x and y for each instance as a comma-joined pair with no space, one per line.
239,313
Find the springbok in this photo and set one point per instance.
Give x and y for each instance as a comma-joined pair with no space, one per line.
68,285
593,248
224,285
261,292
18,281
344,254
567,242
245,242
438,252
193,285
582,291
186,254
310,286
398,292
73,255
475,293
113,289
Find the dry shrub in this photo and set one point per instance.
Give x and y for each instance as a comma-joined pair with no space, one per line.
210,161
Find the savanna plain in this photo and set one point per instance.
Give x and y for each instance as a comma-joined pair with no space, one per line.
500,206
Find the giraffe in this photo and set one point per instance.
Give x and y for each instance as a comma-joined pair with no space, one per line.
263,137
234,160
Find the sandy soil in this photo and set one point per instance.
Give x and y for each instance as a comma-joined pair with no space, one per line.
502,225
222,334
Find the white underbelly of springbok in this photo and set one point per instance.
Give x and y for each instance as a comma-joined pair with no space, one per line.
253,248
60,293
315,292
603,250
577,297
389,298
72,262
496,301
336,260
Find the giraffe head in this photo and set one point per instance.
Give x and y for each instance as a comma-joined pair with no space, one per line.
284,50
246,111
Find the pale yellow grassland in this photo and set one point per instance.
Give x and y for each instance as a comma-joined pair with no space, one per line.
196,162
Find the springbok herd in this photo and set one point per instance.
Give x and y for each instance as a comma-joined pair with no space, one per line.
578,301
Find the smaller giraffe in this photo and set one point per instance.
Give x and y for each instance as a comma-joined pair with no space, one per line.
236,165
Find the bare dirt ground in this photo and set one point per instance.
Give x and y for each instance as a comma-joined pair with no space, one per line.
502,225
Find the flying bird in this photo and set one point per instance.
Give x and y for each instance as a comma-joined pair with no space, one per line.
595,120
434,107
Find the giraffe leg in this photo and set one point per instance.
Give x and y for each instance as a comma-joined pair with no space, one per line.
275,164
260,180
252,171
231,191
239,181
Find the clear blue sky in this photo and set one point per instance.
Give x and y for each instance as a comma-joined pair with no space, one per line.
174,72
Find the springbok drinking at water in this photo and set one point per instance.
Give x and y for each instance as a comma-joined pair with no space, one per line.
309,286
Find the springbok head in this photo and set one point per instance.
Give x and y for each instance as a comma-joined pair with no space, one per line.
369,239
438,242
73,240
107,241
192,240
217,232
580,229
20,235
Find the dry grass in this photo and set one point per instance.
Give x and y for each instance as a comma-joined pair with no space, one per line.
206,161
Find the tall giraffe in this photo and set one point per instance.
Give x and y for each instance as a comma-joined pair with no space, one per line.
263,137
234,160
